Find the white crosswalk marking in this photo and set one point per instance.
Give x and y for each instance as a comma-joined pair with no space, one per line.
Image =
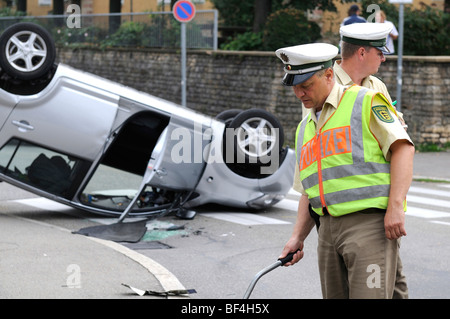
289,204
423,202
423,190
425,212
238,218
429,203
245,218
43,203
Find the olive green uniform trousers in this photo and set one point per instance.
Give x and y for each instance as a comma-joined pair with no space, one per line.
356,260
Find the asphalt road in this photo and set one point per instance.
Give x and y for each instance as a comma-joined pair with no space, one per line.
41,258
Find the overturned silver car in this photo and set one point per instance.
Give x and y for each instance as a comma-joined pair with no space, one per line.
99,146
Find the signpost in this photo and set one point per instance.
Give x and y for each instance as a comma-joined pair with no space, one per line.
183,11
400,51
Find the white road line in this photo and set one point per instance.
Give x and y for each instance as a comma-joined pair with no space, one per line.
294,192
428,191
289,204
428,201
439,222
43,203
167,280
425,212
412,211
245,218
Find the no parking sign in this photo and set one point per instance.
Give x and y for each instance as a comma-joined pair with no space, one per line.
183,10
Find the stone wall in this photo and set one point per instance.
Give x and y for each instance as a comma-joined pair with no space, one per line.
219,80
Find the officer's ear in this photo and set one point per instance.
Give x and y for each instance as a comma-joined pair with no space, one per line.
329,74
361,52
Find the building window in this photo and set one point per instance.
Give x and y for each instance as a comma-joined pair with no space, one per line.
45,2
193,1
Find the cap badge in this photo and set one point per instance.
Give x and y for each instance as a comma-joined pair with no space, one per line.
284,57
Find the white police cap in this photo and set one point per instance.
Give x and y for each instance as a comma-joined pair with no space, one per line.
302,61
370,34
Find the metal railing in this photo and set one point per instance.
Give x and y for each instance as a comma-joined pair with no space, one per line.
146,29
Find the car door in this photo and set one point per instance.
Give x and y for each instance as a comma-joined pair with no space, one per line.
50,140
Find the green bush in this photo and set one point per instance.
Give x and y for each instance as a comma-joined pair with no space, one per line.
287,27
248,41
425,30
129,34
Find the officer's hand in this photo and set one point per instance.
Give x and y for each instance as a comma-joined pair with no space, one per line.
394,224
291,246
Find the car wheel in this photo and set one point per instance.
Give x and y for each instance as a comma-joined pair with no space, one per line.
27,51
257,135
227,116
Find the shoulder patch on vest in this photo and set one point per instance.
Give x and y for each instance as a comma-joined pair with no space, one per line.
381,111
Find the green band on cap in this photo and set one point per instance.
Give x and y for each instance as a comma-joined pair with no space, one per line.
372,43
324,64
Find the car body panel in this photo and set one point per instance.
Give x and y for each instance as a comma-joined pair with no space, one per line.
228,188
82,128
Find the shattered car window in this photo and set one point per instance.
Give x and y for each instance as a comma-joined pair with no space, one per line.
48,170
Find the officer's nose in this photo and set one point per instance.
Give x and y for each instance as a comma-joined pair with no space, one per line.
298,91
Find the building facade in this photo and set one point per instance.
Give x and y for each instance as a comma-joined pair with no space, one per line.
328,21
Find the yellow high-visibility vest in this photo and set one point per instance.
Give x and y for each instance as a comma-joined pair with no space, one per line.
342,167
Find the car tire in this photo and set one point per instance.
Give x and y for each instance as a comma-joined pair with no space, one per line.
257,135
27,51
227,116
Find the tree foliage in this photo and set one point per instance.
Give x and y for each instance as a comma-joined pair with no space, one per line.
265,18
288,27
242,13
426,30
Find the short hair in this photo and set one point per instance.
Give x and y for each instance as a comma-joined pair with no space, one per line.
349,49
353,9
320,73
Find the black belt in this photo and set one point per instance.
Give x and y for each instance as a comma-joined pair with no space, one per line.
364,211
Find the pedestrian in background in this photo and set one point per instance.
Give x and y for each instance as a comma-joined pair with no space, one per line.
380,17
353,16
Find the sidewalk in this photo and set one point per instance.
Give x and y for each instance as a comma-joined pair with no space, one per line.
432,165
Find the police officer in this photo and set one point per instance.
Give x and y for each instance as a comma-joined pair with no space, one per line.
362,51
363,47
355,166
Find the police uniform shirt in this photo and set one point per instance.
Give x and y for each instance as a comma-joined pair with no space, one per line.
386,132
370,82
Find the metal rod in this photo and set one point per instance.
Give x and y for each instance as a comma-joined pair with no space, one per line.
183,64
400,59
259,275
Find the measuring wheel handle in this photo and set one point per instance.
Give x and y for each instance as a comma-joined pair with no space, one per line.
280,262
288,257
